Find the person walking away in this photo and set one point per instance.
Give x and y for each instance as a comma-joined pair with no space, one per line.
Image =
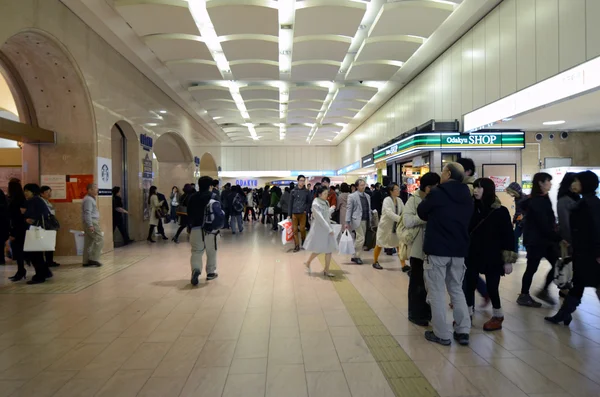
300,200
216,194
236,206
342,201
491,250
4,225
516,192
188,191
266,202
386,231
175,196
284,202
447,210
18,227
36,214
250,206
94,237
46,195
321,238
225,203
541,239
275,199
585,237
206,218
118,213
156,208
358,217
419,311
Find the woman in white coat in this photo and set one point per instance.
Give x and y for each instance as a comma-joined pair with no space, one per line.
154,204
386,230
321,238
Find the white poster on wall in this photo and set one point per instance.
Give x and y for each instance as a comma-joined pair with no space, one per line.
58,184
104,176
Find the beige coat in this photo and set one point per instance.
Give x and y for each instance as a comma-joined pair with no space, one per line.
389,215
154,205
411,220
342,206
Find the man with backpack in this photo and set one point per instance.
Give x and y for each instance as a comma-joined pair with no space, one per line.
206,218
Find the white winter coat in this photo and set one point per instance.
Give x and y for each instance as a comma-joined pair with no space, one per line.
411,220
390,215
154,205
319,238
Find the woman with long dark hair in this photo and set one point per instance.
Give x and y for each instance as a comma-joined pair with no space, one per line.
155,206
567,199
175,199
541,239
36,214
16,209
188,190
491,249
585,237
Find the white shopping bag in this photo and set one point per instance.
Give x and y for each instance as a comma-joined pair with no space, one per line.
38,239
287,233
346,246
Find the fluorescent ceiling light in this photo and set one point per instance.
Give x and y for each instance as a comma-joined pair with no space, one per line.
162,111
555,122
151,124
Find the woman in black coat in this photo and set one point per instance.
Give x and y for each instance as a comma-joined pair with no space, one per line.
491,249
16,209
541,238
4,225
188,190
36,214
585,237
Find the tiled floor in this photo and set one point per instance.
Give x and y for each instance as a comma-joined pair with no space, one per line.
266,328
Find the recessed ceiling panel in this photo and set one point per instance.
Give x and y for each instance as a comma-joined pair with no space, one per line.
262,105
359,92
347,104
413,18
218,105
300,119
329,120
341,113
314,72
264,114
244,19
222,113
158,18
255,71
310,104
342,20
195,72
303,113
250,49
207,93
388,50
320,49
172,49
371,71
304,93
259,93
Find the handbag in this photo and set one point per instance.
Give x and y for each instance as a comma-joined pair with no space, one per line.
160,213
38,239
52,223
181,210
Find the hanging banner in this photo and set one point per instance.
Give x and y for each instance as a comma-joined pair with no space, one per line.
104,176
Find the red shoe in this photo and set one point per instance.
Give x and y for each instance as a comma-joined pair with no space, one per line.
493,324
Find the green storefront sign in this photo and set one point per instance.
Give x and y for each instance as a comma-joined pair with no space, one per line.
441,141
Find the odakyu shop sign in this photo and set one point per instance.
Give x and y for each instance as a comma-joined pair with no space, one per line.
247,182
451,140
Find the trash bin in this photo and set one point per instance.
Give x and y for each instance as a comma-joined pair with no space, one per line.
79,240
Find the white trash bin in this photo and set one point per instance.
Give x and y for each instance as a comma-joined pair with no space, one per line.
79,240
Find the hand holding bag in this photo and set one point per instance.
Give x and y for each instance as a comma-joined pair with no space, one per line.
346,246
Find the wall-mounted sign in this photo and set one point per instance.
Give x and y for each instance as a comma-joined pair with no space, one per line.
197,160
247,182
147,167
349,168
501,182
313,173
146,142
58,184
282,182
451,140
367,161
104,176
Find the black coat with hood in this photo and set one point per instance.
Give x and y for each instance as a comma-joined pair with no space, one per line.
447,209
540,227
585,233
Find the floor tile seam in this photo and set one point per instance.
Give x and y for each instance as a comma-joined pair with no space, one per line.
354,290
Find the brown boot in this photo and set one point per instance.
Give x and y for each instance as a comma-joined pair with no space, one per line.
493,324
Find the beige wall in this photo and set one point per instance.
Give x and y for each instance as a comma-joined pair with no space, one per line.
276,158
174,174
518,44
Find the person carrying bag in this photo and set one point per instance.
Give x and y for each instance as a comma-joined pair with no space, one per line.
37,238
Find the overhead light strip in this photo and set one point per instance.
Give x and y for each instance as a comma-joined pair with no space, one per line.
287,16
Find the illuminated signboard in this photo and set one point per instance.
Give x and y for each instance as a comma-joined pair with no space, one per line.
348,168
367,161
451,140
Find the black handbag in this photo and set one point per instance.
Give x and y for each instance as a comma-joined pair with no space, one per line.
51,223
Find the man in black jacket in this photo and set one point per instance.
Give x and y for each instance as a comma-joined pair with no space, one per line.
447,210
224,200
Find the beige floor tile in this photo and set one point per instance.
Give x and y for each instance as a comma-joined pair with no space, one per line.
125,383
80,388
161,387
446,379
338,318
491,383
569,380
45,384
102,337
78,357
205,382
352,349
284,318
327,384
467,359
252,346
286,380
147,356
319,352
248,366
523,376
312,322
487,348
366,380
7,387
256,323
418,348
285,332
143,327
285,351
227,327
199,326
216,353
245,385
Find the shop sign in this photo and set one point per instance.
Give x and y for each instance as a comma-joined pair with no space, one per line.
146,142
475,139
501,182
349,168
247,182
147,167
104,176
282,182
367,161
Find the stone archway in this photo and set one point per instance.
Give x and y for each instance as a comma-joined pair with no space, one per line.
175,162
52,94
208,166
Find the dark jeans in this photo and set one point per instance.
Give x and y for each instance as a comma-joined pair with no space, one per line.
248,211
418,308
227,215
489,287
161,228
534,256
278,217
119,224
2,260
49,256
518,234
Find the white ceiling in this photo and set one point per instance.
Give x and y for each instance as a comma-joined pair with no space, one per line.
282,72
580,114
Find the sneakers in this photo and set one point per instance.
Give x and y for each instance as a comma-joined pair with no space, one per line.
493,324
195,275
358,261
211,276
527,300
377,266
545,296
462,339
431,337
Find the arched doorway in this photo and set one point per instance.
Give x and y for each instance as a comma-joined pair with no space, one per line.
208,166
175,162
49,92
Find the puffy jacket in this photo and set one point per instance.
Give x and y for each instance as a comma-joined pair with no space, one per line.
540,227
447,209
300,200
